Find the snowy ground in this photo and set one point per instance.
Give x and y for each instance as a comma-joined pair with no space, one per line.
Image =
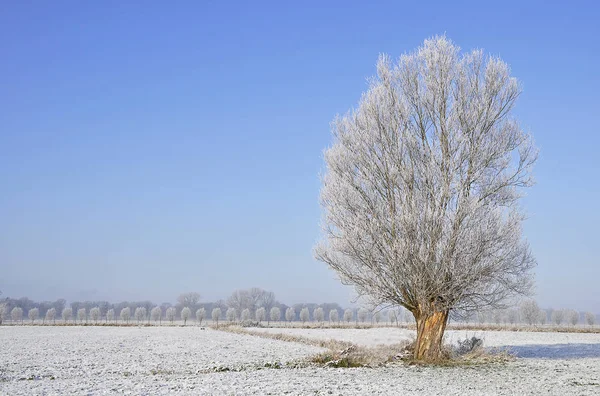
176,360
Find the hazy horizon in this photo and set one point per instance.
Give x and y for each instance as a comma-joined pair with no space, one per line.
149,152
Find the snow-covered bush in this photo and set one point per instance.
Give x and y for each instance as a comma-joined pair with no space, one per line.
140,314
275,314
230,314
156,314
260,314
200,314
185,315
318,314
171,311
216,315
95,314
304,315
51,315
67,314
110,315
348,315
16,314
33,314
245,315
362,314
334,316
125,314
290,314
81,314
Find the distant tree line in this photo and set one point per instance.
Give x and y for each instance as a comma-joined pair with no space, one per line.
255,305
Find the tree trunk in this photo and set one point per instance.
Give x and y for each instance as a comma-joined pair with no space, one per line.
430,331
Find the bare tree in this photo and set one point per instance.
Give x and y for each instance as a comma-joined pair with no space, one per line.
530,312
216,315
348,315
558,316
318,314
95,314
140,314
573,317
362,315
110,315
304,315
67,313
334,316
421,191
200,314
51,315
590,318
260,314
170,313
275,314
125,314
230,314
33,314
290,314
81,315
190,299
185,315
16,314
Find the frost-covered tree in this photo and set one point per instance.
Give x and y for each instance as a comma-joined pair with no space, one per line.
171,311
81,315
290,314
543,317
33,314
573,317
318,314
275,314
393,316
185,315
3,311
67,314
362,315
200,314
348,315
216,315
245,315
557,316
95,314
125,314
513,316
140,314
421,189
304,315
260,314
497,316
230,314
51,315
334,316
110,315
377,317
16,314
590,318
156,314
530,312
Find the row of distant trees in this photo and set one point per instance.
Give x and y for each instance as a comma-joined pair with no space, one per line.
256,305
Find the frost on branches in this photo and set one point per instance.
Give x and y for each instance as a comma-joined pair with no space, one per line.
421,190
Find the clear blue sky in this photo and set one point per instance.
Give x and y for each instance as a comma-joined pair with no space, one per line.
149,149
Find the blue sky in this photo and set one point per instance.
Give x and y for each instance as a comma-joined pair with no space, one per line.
149,149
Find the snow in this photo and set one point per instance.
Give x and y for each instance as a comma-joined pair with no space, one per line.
183,360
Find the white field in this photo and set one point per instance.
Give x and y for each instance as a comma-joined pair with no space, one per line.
46,360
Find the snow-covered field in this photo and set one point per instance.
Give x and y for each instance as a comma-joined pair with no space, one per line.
178,360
